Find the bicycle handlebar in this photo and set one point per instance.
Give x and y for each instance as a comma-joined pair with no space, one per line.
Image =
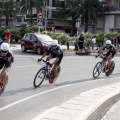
47,62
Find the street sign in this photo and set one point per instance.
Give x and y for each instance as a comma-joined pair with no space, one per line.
40,15
39,22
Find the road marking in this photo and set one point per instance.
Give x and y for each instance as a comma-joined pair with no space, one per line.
40,116
33,96
38,94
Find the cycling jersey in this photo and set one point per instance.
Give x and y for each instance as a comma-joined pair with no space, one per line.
7,60
56,53
111,49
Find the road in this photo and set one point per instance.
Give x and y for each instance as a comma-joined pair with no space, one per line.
21,101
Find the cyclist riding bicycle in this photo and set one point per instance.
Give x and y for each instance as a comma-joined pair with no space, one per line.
109,55
6,60
54,51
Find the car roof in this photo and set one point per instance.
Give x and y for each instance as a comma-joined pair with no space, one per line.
37,34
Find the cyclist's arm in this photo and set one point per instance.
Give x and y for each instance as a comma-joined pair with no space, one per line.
44,54
101,51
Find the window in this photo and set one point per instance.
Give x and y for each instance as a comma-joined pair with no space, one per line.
27,36
33,38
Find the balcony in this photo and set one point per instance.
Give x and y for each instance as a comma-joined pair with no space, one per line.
111,8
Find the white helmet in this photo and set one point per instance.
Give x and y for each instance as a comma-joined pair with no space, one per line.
108,42
54,43
5,47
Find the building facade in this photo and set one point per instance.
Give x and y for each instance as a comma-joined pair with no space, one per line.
111,17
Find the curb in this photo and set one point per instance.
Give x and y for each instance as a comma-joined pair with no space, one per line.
84,105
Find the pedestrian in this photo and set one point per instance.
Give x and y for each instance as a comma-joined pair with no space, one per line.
118,41
80,43
8,36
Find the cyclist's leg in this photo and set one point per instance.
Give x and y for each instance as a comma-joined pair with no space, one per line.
3,74
57,64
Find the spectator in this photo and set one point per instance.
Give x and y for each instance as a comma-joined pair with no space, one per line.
88,49
80,43
118,41
8,36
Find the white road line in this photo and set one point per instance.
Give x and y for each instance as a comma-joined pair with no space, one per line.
38,94
33,96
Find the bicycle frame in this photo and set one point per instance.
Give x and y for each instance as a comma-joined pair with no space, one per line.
47,69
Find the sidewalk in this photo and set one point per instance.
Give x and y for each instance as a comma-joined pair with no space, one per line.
83,106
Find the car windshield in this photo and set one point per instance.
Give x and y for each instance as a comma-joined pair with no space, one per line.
44,38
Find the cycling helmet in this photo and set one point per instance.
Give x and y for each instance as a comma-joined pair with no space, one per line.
108,42
5,47
54,43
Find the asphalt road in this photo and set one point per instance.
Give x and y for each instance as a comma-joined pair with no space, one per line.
21,101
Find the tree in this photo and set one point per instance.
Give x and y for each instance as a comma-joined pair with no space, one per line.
91,10
7,10
72,9
28,5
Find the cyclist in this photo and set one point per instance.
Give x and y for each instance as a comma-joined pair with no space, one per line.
54,51
6,59
109,55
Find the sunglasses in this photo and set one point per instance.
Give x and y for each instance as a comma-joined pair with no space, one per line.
4,51
54,46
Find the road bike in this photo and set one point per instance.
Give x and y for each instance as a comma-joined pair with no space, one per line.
4,84
45,73
101,66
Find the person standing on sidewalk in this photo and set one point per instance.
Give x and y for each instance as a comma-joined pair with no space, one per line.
118,41
80,43
8,36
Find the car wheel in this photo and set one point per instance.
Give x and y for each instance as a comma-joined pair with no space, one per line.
23,48
39,51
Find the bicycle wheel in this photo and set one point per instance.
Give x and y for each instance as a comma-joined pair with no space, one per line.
4,85
112,66
97,69
39,77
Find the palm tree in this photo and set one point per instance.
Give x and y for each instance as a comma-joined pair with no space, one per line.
91,10
28,5
7,10
72,9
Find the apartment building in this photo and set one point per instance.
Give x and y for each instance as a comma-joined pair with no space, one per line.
110,20
53,8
